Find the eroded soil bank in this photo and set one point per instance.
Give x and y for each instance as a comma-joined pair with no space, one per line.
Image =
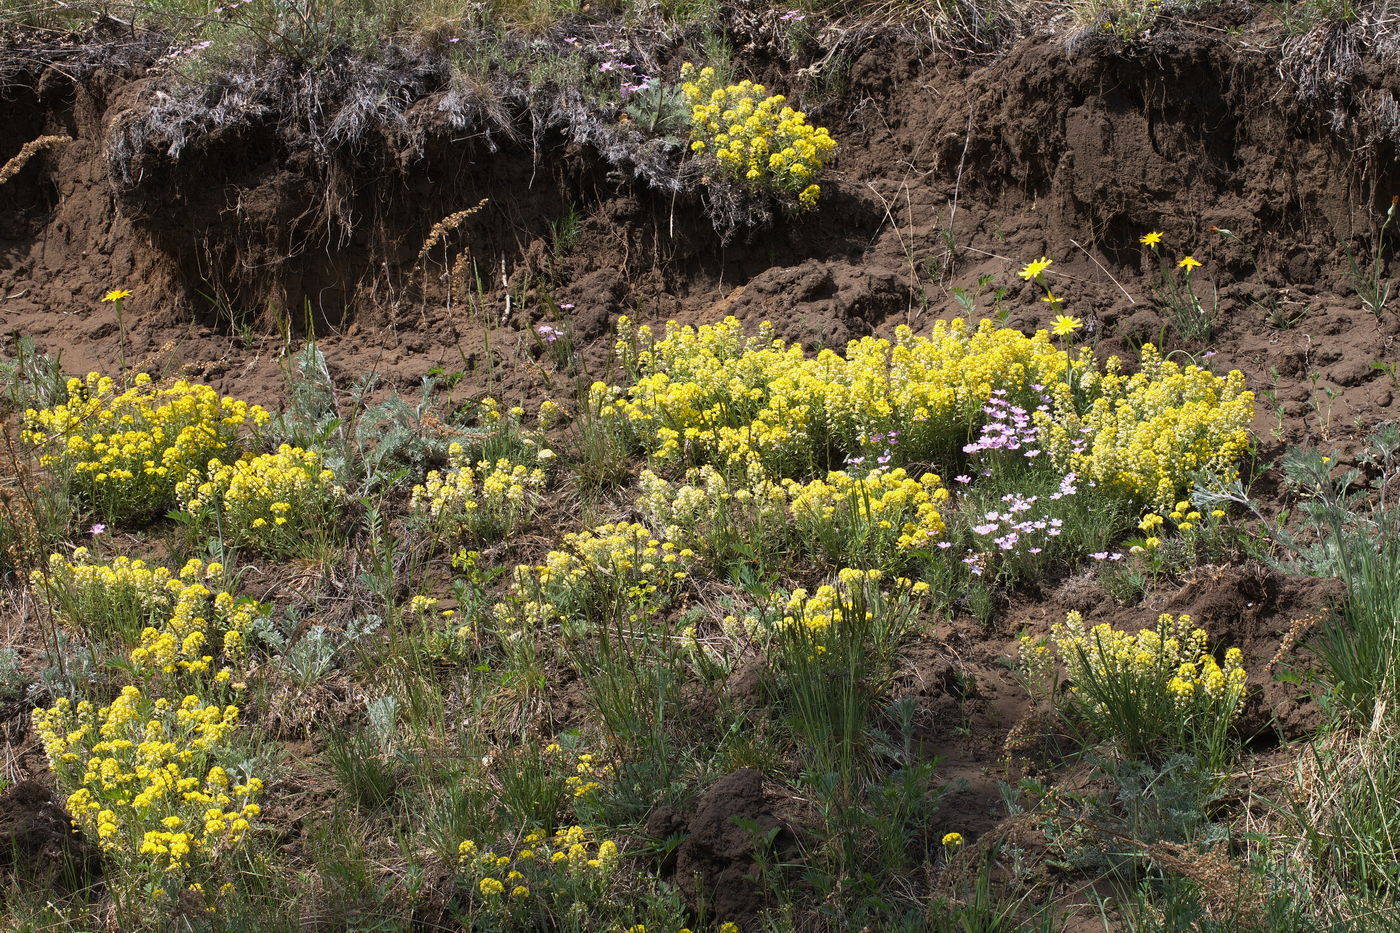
284,198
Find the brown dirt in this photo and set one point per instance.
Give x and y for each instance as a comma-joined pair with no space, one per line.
717,863
1059,145
38,843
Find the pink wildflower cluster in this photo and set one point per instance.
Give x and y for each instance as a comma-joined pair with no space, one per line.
1008,427
187,50
612,63
888,440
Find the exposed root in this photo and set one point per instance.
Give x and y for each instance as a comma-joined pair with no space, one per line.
1325,63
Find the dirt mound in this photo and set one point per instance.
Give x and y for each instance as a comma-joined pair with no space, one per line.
716,864
1268,617
38,843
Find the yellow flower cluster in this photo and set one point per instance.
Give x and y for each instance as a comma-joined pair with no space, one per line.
708,511
588,773
757,140
107,601
710,394
145,776
148,776
623,550
180,625
488,501
202,623
563,873
125,452
1205,677
1149,433
844,519
869,518
508,434
1182,514
269,502
855,623
446,637
1159,690
832,605
602,568
725,523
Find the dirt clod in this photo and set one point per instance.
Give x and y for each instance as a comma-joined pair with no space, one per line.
716,864
38,843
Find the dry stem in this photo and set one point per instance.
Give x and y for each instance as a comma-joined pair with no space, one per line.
27,152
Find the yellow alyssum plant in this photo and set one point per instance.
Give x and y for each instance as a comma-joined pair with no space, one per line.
724,520
1149,433
870,520
1156,692
834,650
124,452
148,779
714,395
567,873
873,520
485,501
106,601
274,503
856,601
757,140
711,394
589,773
179,627
608,574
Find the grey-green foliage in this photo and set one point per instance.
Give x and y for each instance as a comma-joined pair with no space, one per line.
69,668
1349,528
311,656
312,417
1341,510
393,439
12,679
660,110
382,716
369,446
32,379
1358,524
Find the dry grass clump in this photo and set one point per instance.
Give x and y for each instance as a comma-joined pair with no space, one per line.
446,226
1230,892
28,151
